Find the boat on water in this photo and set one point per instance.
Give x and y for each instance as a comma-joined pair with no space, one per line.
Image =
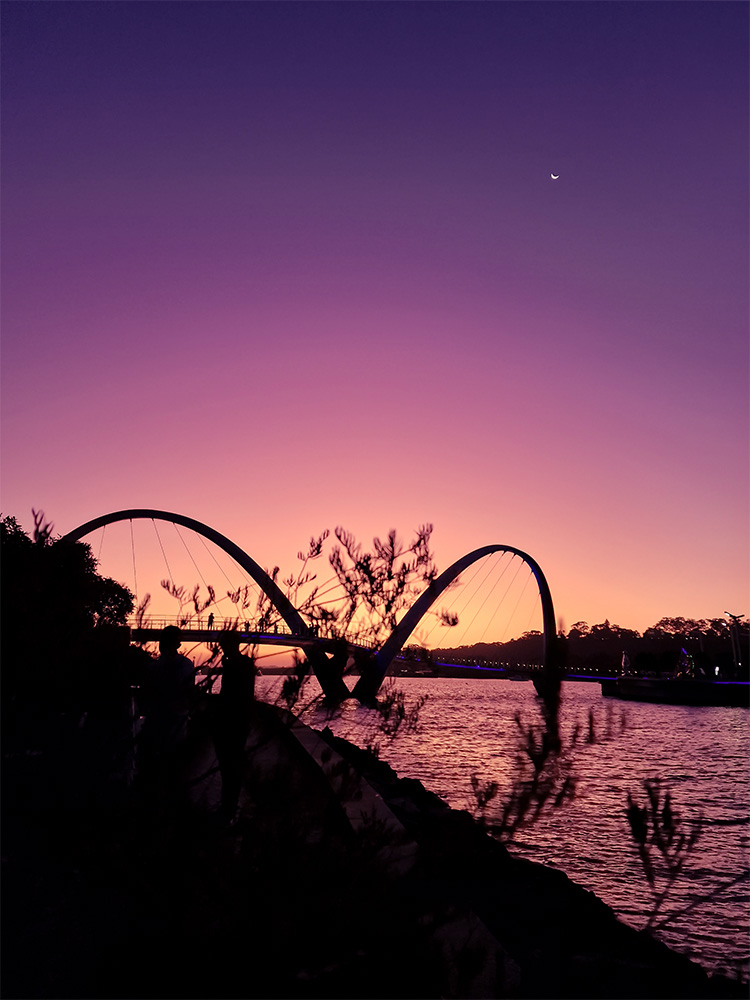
678,691
687,685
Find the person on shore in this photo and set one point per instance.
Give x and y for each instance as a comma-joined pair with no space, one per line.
232,720
167,696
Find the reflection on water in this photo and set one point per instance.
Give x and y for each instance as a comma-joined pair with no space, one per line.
703,755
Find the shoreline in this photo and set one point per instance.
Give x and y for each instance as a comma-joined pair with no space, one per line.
339,878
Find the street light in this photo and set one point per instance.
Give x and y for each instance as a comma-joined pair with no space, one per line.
735,635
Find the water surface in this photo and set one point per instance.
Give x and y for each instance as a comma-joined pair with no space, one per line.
701,754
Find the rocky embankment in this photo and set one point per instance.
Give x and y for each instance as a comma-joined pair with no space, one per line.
338,879
554,938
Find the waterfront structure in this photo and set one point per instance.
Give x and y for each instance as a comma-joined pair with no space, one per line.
374,668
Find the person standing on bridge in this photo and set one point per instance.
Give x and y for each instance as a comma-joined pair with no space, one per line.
231,722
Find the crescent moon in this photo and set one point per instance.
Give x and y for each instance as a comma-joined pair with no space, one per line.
555,177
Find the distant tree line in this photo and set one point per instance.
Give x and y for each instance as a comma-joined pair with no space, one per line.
711,642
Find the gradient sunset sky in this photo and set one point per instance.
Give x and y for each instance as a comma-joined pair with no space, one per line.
282,266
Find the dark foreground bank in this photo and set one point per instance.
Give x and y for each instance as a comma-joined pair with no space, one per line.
338,879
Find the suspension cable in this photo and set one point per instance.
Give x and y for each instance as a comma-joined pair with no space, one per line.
179,535
221,568
132,549
533,611
275,618
497,608
507,589
507,567
250,584
158,536
101,543
459,590
515,607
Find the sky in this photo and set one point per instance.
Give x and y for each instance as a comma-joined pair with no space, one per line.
286,266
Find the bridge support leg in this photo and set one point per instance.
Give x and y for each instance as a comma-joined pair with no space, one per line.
371,678
329,678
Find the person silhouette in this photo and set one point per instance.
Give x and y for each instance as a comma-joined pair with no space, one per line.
231,724
211,620
167,696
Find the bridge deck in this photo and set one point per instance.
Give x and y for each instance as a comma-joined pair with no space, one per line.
212,635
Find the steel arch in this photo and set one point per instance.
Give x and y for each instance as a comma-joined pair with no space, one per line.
334,688
368,684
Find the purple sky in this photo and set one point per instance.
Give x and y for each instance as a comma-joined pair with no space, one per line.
282,266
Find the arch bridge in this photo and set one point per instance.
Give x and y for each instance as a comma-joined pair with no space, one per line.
373,667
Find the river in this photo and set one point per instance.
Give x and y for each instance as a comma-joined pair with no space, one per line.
701,754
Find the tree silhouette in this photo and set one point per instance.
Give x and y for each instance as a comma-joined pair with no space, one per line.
55,607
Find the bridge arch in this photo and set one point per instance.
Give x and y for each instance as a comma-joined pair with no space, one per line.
283,605
374,672
368,684
333,687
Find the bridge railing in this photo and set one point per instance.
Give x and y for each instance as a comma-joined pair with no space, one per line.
218,625
583,670
202,623
459,661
